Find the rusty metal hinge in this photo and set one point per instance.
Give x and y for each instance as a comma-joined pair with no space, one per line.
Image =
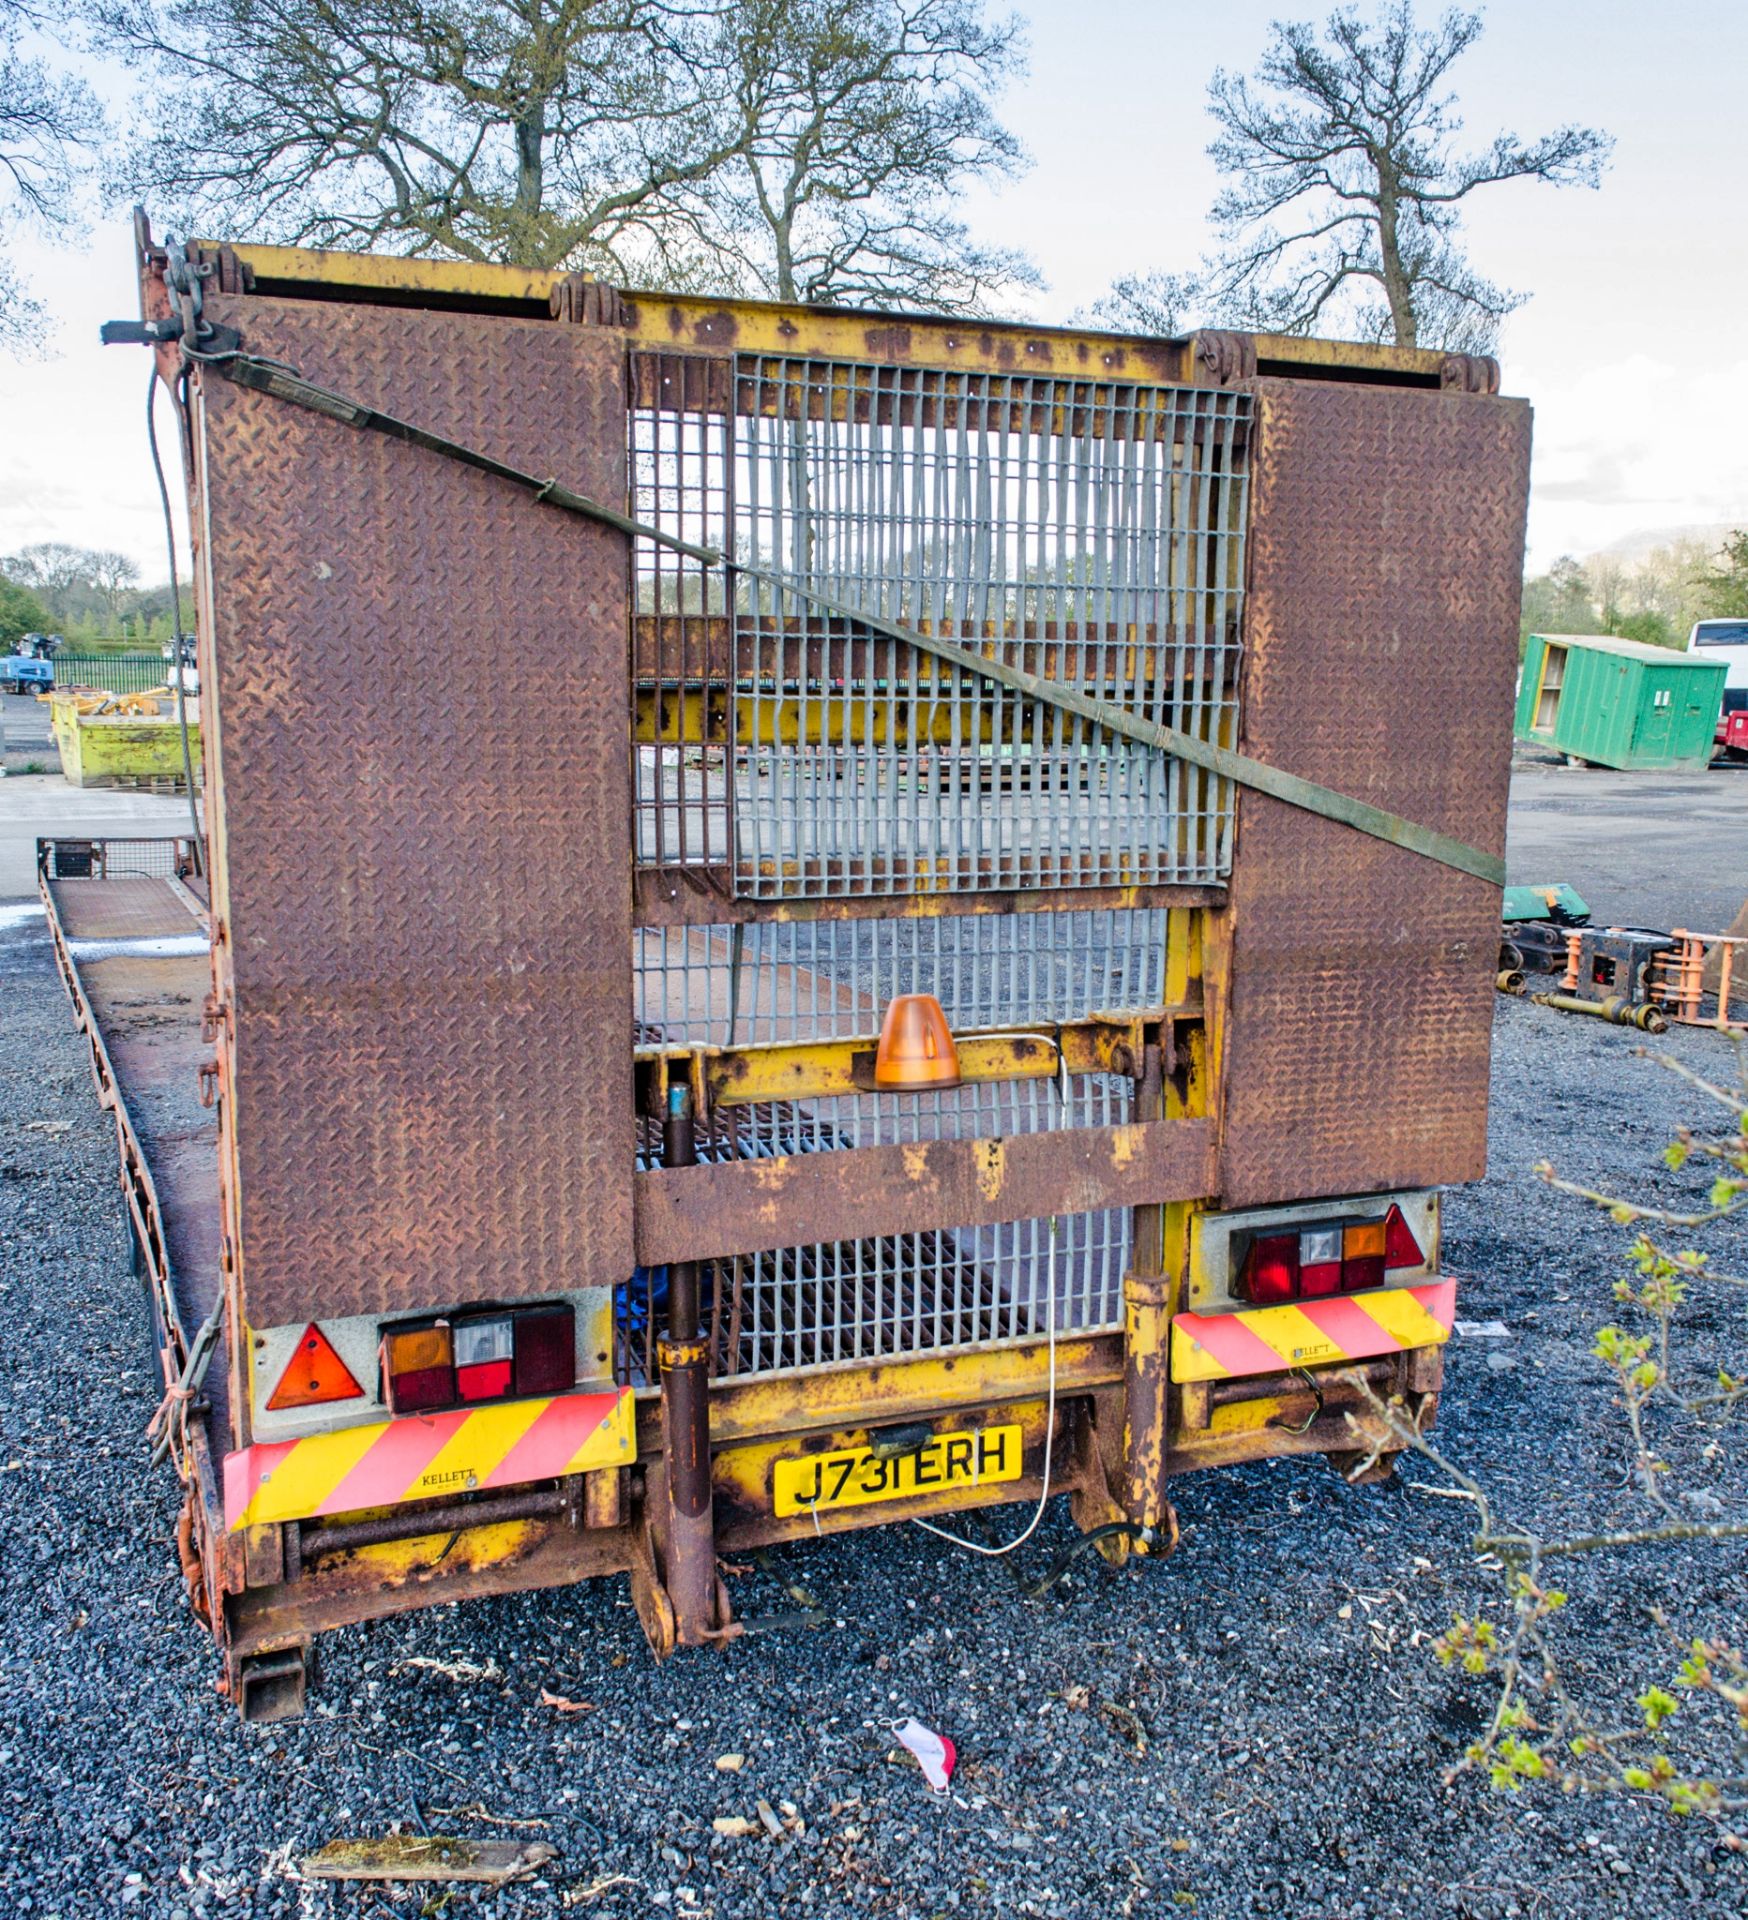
590,303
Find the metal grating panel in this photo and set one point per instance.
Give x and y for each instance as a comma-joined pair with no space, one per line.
679,458
831,980
1089,532
868,1300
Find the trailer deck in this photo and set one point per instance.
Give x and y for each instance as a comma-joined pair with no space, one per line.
132,948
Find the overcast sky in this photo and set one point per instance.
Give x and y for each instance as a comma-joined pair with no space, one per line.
1634,346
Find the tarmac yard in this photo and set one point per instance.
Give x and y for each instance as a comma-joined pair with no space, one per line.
1256,1725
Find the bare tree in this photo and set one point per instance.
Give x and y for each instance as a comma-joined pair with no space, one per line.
50,569
543,133
1346,187
860,124
115,578
49,125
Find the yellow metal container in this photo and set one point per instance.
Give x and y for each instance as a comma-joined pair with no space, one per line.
111,749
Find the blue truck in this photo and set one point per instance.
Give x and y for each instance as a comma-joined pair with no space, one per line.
19,673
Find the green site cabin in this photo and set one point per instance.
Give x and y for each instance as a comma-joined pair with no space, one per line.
1619,703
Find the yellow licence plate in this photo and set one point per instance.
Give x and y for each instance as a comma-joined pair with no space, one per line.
854,1477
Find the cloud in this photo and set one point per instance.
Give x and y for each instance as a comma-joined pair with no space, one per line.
1635,442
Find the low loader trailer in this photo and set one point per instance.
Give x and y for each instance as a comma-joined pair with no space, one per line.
802,920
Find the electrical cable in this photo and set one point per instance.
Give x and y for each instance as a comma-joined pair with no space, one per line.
1130,1529
178,666
1019,1540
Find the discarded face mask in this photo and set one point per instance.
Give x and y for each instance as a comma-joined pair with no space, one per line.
935,1753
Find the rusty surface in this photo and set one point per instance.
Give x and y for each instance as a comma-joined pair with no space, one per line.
146,1013
699,897
1386,568
134,908
1223,359
424,883
1147,1397
701,1213
587,302
1469,373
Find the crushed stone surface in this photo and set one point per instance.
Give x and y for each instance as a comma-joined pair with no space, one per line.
1255,1726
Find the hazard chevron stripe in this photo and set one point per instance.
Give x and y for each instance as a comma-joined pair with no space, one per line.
1313,1333
424,1456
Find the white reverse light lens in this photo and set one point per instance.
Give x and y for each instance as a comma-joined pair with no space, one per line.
479,1341
1318,1247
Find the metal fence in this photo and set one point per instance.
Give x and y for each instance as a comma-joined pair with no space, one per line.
1088,531
113,672
816,980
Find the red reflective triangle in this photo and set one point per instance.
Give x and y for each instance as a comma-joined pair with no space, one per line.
1401,1249
314,1375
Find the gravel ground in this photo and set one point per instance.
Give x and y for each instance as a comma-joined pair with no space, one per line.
1643,849
1258,1731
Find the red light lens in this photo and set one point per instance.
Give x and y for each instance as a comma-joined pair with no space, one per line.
546,1350
1271,1270
1319,1281
1401,1249
418,1366
424,1390
482,1358
485,1382
1361,1271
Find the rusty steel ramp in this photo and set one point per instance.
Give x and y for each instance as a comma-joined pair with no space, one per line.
133,946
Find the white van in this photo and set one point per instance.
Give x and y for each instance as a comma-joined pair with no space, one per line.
1725,640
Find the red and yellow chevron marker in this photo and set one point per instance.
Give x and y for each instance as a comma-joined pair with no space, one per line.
1312,1333
423,1456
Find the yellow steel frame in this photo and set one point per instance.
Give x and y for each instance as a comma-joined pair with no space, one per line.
659,320
1120,1376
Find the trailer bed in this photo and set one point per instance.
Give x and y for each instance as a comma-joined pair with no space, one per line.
134,950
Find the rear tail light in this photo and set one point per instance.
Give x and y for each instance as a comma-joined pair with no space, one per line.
1315,1263
418,1368
546,1350
1319,1262
1362,1256
314,1376
1271,1270
483,1352
469,1358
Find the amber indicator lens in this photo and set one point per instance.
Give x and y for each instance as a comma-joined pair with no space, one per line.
916,1045
418,1367
1362,1256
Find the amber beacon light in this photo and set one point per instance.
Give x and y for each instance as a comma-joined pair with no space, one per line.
916,1047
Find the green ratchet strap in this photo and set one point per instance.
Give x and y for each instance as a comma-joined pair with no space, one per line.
266,376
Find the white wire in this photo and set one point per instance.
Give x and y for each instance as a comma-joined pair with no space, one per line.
995,1553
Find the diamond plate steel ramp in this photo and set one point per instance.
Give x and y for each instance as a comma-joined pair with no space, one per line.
418,780
1387,529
